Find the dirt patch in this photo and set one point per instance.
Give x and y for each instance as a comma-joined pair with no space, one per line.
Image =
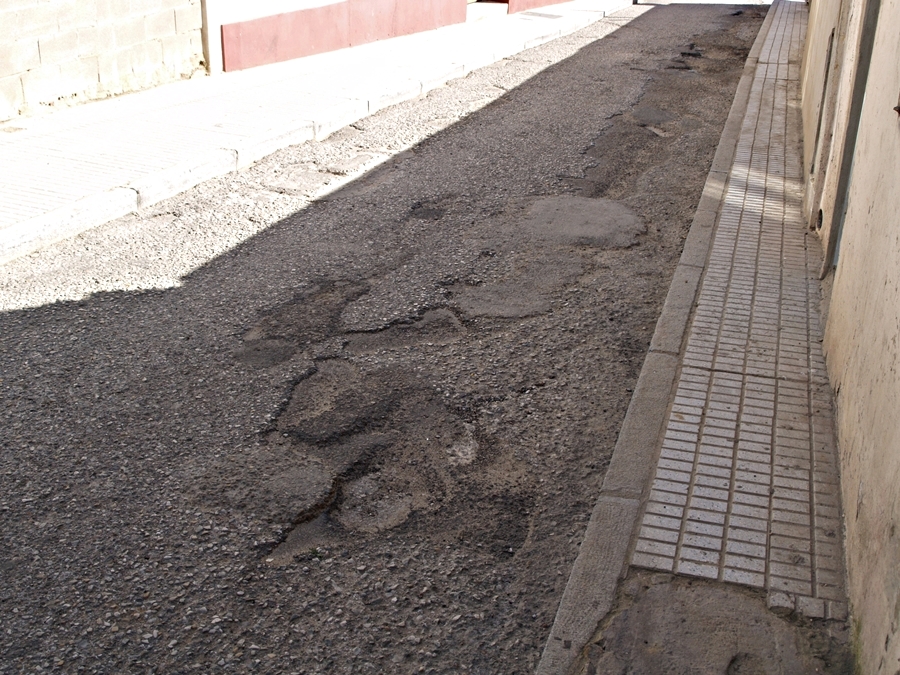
578,221
665,624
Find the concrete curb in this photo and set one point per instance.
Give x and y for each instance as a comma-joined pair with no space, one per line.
30,235
602,559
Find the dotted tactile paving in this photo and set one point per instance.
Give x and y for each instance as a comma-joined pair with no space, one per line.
746,488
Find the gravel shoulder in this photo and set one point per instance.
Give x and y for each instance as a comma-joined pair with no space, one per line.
348,410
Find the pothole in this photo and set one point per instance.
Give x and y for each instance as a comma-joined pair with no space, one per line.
265,353
435,327
334,402
311,316
391,446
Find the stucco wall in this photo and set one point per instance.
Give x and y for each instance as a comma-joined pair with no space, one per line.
53,52
821,68
862,340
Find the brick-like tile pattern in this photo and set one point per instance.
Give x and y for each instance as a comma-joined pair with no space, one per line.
746,487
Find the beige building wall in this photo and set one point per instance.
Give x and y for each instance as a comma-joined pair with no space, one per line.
56,52
854,154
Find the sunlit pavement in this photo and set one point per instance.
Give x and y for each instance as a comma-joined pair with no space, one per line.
67,171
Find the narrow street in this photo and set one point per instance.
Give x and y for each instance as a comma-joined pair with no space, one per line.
348,410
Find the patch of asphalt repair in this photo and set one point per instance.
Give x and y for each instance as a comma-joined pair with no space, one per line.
365,434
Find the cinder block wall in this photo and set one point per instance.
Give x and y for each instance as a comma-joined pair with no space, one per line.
58,52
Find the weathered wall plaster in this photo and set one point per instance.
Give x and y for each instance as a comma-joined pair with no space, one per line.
862,340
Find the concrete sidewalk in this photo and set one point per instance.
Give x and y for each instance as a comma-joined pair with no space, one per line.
726,466
71,170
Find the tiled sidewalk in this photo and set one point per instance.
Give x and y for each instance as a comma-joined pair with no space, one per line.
746,486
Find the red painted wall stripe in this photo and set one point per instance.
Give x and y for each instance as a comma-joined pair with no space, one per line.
312,31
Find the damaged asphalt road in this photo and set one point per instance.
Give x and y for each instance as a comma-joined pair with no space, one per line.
348,411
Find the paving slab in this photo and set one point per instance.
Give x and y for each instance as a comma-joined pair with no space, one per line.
70,170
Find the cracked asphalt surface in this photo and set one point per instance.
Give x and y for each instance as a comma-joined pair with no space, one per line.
347,411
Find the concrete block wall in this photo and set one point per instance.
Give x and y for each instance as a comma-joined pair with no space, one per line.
58,52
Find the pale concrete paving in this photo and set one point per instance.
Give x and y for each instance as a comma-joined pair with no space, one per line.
63,173
743,484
